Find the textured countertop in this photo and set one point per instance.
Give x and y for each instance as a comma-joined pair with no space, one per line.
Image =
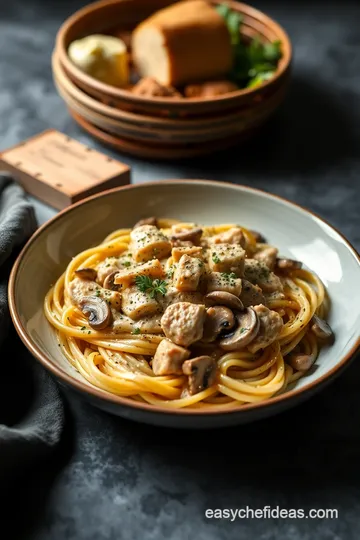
114,479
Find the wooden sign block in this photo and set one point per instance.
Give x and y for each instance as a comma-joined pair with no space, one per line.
60,170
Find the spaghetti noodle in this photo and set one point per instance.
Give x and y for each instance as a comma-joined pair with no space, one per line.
118,358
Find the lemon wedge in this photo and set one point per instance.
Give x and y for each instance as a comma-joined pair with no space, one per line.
102,57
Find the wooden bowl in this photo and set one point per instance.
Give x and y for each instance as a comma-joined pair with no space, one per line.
179,123
156,150
162,130
99,17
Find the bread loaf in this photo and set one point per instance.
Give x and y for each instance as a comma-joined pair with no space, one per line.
183,43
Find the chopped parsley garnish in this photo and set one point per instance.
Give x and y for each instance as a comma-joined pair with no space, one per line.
215,258
136,331
150,286
126,263
228,276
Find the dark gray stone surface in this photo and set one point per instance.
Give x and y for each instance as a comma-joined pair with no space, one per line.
113,479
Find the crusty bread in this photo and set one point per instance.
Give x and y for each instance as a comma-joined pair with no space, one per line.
185,42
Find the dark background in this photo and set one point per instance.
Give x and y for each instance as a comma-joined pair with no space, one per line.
112,479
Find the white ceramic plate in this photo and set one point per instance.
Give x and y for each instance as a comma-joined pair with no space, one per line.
298,233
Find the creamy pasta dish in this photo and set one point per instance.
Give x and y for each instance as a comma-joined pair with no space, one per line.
184,315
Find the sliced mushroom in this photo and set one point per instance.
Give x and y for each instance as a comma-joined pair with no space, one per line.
251,295
260,239
218,319
86,273
146,221
321,329
248,326
300,361
201,372
288,264
97,312
191,235
109,282
224,298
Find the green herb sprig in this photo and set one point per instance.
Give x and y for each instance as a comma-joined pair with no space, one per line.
215,258
254,62
151,286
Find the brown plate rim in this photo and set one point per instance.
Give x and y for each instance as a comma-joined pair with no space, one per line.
118,93
132,404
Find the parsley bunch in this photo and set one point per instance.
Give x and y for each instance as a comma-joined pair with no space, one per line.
150,286
253,63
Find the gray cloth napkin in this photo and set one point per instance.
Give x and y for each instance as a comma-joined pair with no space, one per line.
31,407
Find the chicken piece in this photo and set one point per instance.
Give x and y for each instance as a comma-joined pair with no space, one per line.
228,282
80,288
271,325
147,325
137,304
188,273
181,43
175,242
148,242
152,269
183,322
169,358
113,264
105,268
251,295
227,258
267,255
259,274
148,86
231,236
178,252
201,372
173,296
210,89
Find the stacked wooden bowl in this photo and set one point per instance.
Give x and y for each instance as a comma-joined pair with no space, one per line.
155,127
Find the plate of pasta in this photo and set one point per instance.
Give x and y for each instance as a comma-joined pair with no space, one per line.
188,303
